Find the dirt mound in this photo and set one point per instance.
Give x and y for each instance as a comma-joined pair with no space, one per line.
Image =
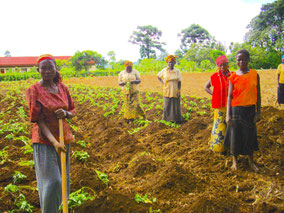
173,166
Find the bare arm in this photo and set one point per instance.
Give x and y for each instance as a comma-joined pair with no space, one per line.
46,132
136,81
229,102
207,87
61,113
278,76
161,80
258,104
121,83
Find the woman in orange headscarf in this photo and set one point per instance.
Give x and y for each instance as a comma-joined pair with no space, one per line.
129,79
220,82
171,79
49,100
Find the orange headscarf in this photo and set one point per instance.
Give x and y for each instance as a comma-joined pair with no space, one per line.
44,57
128,63
171,58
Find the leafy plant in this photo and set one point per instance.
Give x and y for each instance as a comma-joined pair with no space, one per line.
11,188
27,149
18,177
82,143
22,204
102,176
29,163
139,199
81,155
78,197
3,155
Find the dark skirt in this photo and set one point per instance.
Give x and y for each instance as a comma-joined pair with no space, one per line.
241,138
280,94
172,110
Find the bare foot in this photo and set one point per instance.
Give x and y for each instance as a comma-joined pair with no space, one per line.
254,167
234,167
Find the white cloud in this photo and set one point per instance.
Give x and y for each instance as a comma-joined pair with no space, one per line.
34,27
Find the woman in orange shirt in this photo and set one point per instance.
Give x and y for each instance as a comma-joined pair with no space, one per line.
243,110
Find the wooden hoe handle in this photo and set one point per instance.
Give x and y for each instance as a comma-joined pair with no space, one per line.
63,170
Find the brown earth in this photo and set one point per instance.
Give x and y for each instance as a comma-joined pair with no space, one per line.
173,165
193,84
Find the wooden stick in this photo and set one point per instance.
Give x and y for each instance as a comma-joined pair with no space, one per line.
63,170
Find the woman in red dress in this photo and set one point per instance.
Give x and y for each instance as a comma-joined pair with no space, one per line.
49,100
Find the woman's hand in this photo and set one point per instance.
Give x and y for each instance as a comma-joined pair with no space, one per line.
59,148
121,83
60,113
228,120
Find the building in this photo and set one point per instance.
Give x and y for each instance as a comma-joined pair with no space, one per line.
22,64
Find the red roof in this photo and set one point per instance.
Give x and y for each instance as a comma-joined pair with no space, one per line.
24,61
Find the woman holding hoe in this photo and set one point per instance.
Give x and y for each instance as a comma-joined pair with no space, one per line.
129,79
171,79
243,110
49,100
220,83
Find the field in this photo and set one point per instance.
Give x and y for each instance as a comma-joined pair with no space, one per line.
147,165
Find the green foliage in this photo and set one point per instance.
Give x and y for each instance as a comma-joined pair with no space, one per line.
103,177
147,37
18,177
81,155
86,59
150,65
29,163
82,143
168,123
27,149
22,204
11,188
3,155
206,65
143,199
78,197
266,30
194,34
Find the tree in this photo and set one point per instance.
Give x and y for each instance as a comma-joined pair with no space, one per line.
194,34
7,53
266,29
147,37
86,59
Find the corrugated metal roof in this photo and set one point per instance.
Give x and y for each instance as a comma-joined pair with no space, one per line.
24,61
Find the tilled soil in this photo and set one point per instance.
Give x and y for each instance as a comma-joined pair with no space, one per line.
173,165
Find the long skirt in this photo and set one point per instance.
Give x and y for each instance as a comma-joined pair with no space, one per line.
218,130
131,106
241,138
48,175
172,110
280,94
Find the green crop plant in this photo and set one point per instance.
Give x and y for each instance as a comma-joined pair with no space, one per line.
202,101
11,188
22,204
21,112
154,211
168,123
27,149
189,109
3,155
103,177
81,156
203,106
202,113
143,199
192,103
18,177
83,143
78,197
186,116
29,163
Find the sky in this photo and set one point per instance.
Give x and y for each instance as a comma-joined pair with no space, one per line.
62,27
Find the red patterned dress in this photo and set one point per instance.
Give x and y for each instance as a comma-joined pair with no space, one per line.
42,105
